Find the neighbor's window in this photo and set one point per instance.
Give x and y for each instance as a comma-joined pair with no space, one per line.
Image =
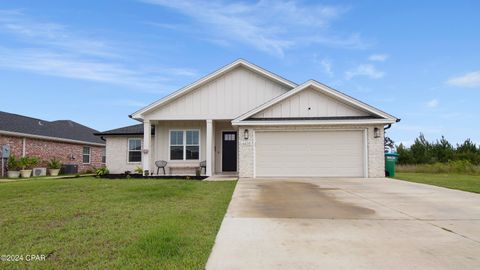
134,150
86,155
104,155
184,145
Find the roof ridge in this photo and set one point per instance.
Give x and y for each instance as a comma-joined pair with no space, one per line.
24,116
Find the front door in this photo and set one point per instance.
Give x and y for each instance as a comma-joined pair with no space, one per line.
229,151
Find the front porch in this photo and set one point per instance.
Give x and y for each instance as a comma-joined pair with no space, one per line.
184,144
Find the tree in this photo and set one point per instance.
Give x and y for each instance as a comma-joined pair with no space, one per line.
404,155
468,151
442,151
421,150
389,144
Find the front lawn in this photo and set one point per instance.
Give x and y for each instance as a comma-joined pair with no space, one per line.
88,223
455,181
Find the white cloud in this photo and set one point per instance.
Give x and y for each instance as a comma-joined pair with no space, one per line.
378,57
52,35
53,49
327,67
471,79
324,63
366,70
70,66
432,103
270,26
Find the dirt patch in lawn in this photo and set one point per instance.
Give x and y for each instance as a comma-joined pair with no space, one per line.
284,199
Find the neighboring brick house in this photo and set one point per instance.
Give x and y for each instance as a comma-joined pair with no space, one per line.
68,141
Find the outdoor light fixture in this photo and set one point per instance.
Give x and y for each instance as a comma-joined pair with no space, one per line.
376,133
245,134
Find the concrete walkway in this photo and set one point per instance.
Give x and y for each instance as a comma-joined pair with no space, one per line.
348,224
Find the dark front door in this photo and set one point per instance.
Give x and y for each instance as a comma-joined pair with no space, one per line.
229,151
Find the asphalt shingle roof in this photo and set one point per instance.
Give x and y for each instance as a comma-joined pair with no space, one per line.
63,129
128,130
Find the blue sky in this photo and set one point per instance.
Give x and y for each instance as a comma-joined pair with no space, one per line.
96,62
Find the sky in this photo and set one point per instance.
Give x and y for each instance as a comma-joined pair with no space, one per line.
96,62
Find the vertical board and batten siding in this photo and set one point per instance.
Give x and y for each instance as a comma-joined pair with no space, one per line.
226,97
320,105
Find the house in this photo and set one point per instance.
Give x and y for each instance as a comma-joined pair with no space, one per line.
68,141
246,120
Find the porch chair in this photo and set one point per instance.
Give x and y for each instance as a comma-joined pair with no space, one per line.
161,164
203,165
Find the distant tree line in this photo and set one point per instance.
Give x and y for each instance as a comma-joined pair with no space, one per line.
425,152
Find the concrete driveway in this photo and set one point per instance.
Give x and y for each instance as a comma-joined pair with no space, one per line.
348,224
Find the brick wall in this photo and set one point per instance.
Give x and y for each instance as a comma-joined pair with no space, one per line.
67,153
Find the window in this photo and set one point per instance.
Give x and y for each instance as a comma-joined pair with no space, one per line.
184,145
229,137
192,148
134,150
104,155
86,155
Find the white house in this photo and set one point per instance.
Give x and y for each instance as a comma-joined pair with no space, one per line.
245,120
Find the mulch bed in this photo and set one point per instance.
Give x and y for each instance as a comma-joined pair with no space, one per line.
139,176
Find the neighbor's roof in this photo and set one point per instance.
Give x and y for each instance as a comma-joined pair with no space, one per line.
128,130
66,130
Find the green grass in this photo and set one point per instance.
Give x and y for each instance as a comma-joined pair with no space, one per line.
88,223
454,181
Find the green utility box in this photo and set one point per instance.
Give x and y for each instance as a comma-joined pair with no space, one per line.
390,160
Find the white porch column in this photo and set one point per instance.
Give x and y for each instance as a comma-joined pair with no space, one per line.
209,147
147,135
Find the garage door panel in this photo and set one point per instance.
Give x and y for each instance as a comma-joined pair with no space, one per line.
309,153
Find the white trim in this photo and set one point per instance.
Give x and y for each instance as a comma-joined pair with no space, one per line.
210,131
240,62
128,150
365,145
184,144
48,138
365,157
312,122
254,143
319,87
24,146
89,155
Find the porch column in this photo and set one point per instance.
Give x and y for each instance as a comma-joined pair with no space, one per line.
209,147
147,135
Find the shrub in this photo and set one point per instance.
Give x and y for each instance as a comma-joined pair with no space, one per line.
13,163
28,162
101,171
54,164
139,170
453,166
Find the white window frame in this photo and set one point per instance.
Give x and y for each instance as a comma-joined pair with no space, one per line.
184,145
128,151
89,155
104,155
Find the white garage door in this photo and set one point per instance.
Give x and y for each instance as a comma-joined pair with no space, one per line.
309,153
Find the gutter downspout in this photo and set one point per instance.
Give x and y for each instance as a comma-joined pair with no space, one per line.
390,125
24,142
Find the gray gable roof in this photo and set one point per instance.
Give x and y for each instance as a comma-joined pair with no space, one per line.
60,129
128,130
